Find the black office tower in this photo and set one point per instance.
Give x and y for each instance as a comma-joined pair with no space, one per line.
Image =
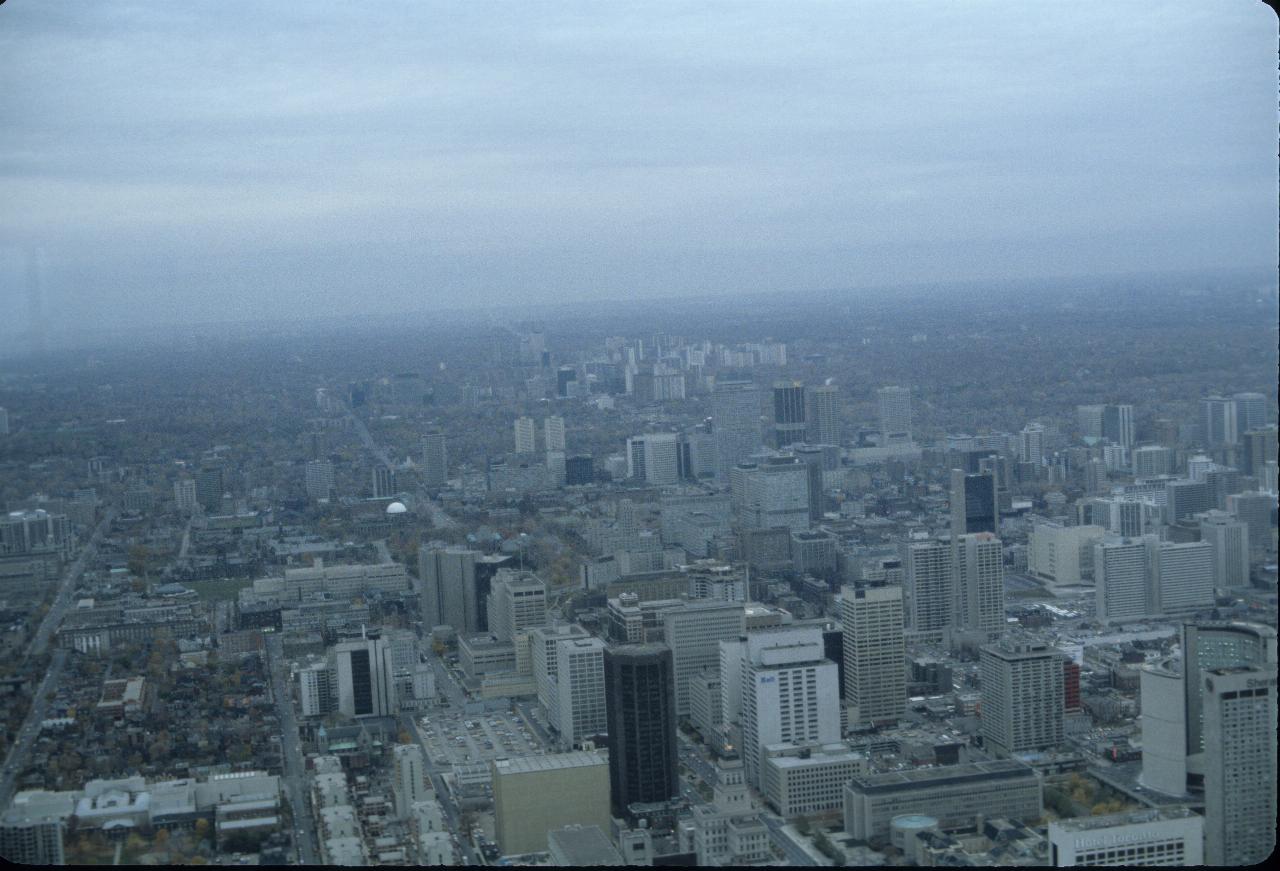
640,694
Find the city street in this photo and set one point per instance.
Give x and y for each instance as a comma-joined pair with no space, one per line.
20,751
66,588
442,794
294,779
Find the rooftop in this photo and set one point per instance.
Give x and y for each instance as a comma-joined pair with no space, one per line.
553,762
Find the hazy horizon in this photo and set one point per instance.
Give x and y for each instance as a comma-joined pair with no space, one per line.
226,164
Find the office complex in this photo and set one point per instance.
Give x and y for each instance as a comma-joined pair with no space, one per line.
534,794
640,694
735,415
525,435
1154,837
874,652
580,690
974,503
1239,764
824,414
1022,697
320,480
789,407
365,677
693,632
435,460
895,414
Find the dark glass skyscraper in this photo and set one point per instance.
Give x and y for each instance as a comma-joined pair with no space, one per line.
974,505
788,413
640,693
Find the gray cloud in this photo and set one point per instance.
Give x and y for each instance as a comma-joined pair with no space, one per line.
199,161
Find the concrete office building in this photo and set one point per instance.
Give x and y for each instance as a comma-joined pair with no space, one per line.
654,458
455,586
929,595
366,677
954,795
534,794
435,460
824,414
553,433
1062,555
409,782
874,652
517,602
544,663
895,414
1182,576
1022,696
808,780
1254,509
33,826
1218,421
1251,411
1153,837
1230,540
775,493
640,696
693,633
1121,579
526,435
735,414
978,584
184,495
384,482
1240,765
319,480
1151,461
580,698
1031,444
789,694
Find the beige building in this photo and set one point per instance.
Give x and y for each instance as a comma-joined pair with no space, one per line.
534,794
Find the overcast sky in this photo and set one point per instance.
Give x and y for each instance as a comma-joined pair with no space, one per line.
219,161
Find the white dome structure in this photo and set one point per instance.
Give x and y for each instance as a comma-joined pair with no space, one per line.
396,508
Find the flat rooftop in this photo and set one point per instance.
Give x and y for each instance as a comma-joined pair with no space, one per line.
551,762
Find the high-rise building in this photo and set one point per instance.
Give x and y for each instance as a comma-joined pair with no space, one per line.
1251,411
1031,444
579,470
210,487
1022,696
525,435
788,413
384,482
517,601
1240,765
1181,576
1151,461
534,794
1230,540
449,593
640,689
320,480
735,410
1255,509
1117,424
974,503
1259,450
553,433
33,835
789,694
814,458
929,595
435,460
654,457
409,780
824,414
1089,419
542,656
317,690
1186,498
895,414
874,652
184,495
1120,577
978,584
366,680
1218,421
775,493
1150,837
580,696
693,633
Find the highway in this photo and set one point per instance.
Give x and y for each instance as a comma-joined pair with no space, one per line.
295,778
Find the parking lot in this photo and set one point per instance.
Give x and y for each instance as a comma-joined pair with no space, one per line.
456,738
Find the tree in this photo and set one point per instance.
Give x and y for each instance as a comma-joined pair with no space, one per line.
802,825
202,829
